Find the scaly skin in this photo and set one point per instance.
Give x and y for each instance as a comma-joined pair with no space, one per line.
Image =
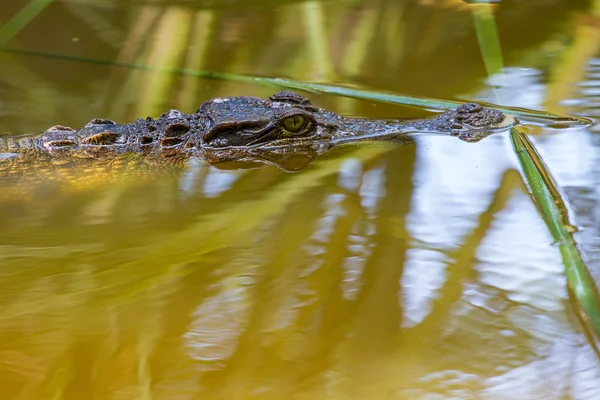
233,129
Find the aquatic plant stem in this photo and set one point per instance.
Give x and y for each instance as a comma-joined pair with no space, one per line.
550,120
21,19
489,45
580,285
487,36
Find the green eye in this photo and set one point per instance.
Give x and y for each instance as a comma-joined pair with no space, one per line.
295,123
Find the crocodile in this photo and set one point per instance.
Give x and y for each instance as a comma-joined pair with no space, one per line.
280,130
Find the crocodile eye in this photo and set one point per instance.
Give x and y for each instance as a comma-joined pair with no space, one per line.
294,123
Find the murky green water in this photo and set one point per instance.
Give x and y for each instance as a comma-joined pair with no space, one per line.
386,272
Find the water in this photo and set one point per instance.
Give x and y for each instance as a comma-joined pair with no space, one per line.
383,272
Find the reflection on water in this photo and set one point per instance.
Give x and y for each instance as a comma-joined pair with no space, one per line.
404,272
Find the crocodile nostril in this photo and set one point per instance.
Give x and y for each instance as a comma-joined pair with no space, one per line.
469,108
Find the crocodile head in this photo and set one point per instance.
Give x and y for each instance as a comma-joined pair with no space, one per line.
289,119
286,130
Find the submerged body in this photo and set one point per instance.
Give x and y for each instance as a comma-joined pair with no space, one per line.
232,129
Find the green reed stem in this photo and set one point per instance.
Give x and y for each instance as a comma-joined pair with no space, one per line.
549,202
487,36
21,19
546,119
489,42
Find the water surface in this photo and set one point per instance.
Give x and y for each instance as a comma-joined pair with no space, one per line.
385,272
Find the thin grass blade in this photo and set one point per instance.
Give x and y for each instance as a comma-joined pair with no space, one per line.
21,19
543,118
550,204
